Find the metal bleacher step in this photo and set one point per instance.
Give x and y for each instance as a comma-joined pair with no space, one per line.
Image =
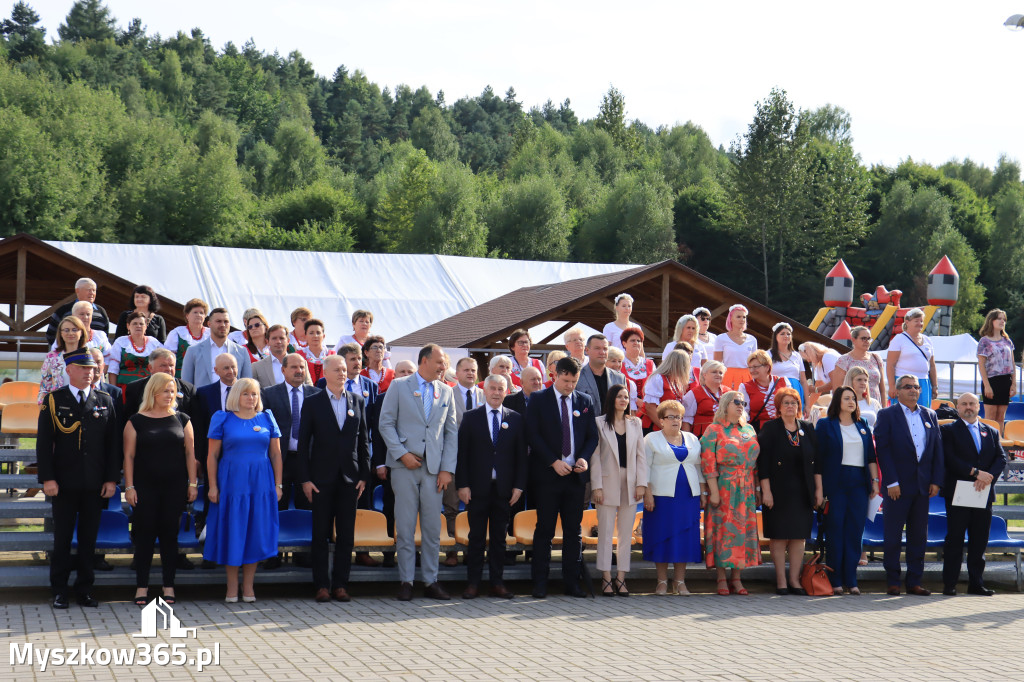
17,456
35,508
18,481
18,541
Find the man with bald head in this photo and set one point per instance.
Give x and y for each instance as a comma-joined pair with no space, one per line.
162,360
85,290
971,453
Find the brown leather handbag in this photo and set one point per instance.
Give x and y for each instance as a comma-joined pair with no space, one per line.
814,574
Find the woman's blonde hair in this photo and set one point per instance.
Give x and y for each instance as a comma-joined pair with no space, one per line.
156,384
241,386
723,405
853,373
709,367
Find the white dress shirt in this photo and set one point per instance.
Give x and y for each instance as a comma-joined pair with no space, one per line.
571,458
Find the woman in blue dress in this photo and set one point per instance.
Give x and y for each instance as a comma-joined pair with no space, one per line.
675,493
244,465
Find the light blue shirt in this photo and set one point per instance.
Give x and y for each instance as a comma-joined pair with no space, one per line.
915,420
340,407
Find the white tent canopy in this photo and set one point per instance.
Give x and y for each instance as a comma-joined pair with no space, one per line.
405,292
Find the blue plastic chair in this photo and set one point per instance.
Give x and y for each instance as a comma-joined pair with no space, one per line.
296,528
378,498
199,507
937,528
1014,411
999,538
937,505
113,532
114,504
874,533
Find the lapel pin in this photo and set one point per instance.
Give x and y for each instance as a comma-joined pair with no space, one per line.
801,432
504,425
927,425
257,428
417,394
366,394
351,413
864,432
575,413
437,395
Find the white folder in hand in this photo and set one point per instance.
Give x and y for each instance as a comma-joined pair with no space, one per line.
964,495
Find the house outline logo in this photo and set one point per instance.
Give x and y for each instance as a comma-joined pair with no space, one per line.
157,609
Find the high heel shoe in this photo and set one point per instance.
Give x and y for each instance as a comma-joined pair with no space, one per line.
251,599
607,587
231,600
723,591
736,587
620,587
681,589
662,589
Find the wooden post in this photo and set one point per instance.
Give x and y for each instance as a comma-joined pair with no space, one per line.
19,295
664,309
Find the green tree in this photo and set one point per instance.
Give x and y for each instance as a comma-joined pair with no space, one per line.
25,39
300,157
529,220
633,226
88,20
431,133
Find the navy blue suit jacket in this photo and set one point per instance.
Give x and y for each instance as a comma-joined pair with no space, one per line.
830,451
277,399
327,452
897,457
479,454
544,428
207,402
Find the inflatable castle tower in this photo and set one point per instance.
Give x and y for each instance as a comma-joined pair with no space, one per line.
881,311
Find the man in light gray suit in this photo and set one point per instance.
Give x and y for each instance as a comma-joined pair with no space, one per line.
197,367
270,370
417,424
595,378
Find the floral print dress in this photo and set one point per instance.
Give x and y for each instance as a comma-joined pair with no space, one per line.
729,452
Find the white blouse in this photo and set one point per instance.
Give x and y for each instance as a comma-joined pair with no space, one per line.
853,446
614,334
913,359
789,369
182,333
734,354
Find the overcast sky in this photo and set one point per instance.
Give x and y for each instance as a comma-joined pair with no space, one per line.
932,81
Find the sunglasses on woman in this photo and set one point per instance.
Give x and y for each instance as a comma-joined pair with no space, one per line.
739,403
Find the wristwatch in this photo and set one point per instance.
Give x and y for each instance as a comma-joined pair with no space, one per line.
193,485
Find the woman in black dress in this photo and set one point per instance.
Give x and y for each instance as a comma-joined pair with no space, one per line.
160,478
790,476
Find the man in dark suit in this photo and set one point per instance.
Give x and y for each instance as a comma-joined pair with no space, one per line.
490,476
78,447
909,451
972,453
334,466
532,381
85,290
161,360
285,402
595,377
562,436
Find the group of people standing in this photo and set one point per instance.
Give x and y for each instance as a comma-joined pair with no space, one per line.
701,439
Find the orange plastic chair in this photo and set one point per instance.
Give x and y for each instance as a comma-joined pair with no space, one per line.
372,530
446,540
938,402
18,392
587,526
20,418
524,525
1015,431
761,539
462,530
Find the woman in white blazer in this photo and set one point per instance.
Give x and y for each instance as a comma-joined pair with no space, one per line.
618,476
675,493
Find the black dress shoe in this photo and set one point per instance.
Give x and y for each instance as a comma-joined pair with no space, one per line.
781,590
575,591
540,592
980,590
435,591
87,600
60,601
799,591
471,592
404,592
184,563
101,564
949,591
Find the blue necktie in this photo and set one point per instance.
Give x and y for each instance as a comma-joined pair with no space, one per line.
494,427
349,386
428,398
976,435
295,413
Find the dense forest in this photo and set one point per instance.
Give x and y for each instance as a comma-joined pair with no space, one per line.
110,134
